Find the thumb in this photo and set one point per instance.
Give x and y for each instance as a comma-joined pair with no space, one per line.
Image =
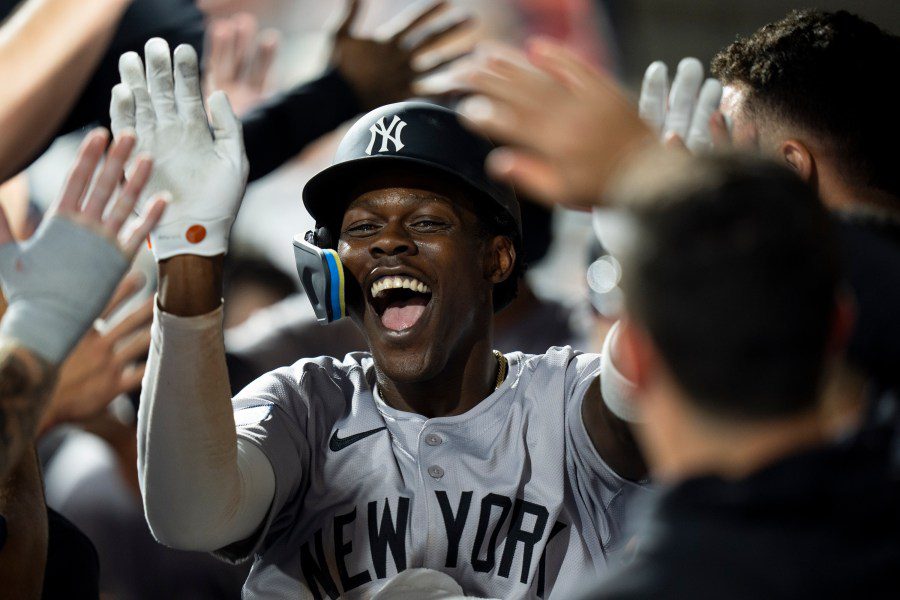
226,126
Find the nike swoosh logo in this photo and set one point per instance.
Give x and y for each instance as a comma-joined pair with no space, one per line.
337,443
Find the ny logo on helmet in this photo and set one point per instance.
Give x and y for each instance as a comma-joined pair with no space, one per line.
391,133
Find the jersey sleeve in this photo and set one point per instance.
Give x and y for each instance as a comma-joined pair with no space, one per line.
272,414
609,501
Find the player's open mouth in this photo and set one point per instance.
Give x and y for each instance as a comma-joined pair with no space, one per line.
399,300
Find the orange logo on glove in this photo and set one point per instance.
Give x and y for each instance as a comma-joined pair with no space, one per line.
195,234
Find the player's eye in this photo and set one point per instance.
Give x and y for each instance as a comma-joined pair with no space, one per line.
362,229
429,224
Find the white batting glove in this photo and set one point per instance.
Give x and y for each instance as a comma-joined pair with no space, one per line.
204,171
684,110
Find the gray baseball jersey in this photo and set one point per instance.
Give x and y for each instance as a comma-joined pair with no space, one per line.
510,499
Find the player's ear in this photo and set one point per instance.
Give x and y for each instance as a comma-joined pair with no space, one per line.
798,157
500,259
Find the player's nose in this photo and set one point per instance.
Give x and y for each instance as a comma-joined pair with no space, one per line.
392,240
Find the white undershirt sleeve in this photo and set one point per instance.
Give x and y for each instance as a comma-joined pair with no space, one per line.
203,488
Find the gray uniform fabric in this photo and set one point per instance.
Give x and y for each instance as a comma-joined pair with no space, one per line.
510,499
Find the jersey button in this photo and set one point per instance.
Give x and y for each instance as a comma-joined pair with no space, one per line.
433,439
435,471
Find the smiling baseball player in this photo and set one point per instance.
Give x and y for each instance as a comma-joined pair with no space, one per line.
508,472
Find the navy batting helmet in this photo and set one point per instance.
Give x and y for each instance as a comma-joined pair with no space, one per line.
417,134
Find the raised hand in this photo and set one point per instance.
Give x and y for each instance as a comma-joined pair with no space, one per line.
106,362
383,70
566,126
204,171
58,281
238,60
681,116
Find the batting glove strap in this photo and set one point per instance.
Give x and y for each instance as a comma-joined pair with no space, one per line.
56,285
201,238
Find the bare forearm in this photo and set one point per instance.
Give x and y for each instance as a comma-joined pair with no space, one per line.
48,51
24,555
26,382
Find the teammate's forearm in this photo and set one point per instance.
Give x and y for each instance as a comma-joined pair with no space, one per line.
24,555
200,492
26,382
48,51
190,285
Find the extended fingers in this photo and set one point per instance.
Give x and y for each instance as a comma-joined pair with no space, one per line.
136,346
683,97
188,96
654,92
530,174
80,176
440,35
562,63
109,177
699,135
497,120
414,17
258,74
145,225
138,318
131,71
159,79
128,196
128,287
121,109
131,377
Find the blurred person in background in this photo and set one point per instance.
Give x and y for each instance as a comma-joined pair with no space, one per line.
731,325
730,374
55,285
800,89
58,63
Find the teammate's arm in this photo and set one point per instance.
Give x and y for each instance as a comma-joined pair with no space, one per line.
26,381
612,436
58,282
48,51
610,417
202,488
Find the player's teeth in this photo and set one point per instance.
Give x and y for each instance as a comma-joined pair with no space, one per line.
390,283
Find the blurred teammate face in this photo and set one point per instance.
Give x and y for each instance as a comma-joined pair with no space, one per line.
424,272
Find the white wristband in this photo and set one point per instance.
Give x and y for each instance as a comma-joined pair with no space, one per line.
617,390
207,238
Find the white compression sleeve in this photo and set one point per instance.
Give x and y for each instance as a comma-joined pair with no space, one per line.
203,488
617,390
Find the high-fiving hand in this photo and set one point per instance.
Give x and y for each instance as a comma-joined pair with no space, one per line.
204,171
566,126
382,70
58,281
682,114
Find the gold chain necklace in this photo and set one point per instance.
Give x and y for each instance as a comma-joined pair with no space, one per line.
502,368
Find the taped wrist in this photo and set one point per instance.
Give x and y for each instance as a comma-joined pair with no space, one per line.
56,284
617,390
201,238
